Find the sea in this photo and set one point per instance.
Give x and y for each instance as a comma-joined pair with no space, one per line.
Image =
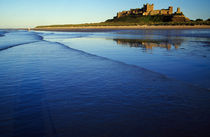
111,83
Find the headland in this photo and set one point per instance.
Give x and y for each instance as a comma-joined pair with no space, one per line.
141,18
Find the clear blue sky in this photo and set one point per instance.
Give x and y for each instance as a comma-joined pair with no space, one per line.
30,13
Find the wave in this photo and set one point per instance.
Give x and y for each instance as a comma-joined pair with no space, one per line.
17,38
173,40
104,58
160,75
2,33
11,46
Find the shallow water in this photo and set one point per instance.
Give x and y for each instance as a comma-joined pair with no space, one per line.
178,54
104,84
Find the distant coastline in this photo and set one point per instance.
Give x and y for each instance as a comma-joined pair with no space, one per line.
141,18
104,28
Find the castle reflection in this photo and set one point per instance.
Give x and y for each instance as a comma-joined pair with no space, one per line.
150,44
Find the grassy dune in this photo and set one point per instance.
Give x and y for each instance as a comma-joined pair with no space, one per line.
157,20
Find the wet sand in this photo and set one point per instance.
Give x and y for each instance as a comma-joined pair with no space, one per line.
107,28
51,89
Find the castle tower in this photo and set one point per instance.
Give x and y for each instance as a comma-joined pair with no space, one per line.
148,7
178,10
170,10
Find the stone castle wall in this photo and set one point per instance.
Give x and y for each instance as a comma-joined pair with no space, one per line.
147,9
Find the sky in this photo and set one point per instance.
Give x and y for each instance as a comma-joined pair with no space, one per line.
31,13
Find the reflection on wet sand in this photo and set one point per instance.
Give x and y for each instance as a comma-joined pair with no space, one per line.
149,44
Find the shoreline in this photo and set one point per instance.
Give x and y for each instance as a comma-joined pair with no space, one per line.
108,28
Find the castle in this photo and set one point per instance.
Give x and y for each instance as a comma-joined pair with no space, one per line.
148,9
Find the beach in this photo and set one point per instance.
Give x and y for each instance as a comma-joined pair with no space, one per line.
117,83
104,68
105,28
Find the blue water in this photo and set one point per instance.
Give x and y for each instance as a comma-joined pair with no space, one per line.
178,54
118,83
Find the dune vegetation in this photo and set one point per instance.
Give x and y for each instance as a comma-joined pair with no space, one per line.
136,21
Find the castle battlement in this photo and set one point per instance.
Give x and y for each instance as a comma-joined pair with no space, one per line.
148,9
